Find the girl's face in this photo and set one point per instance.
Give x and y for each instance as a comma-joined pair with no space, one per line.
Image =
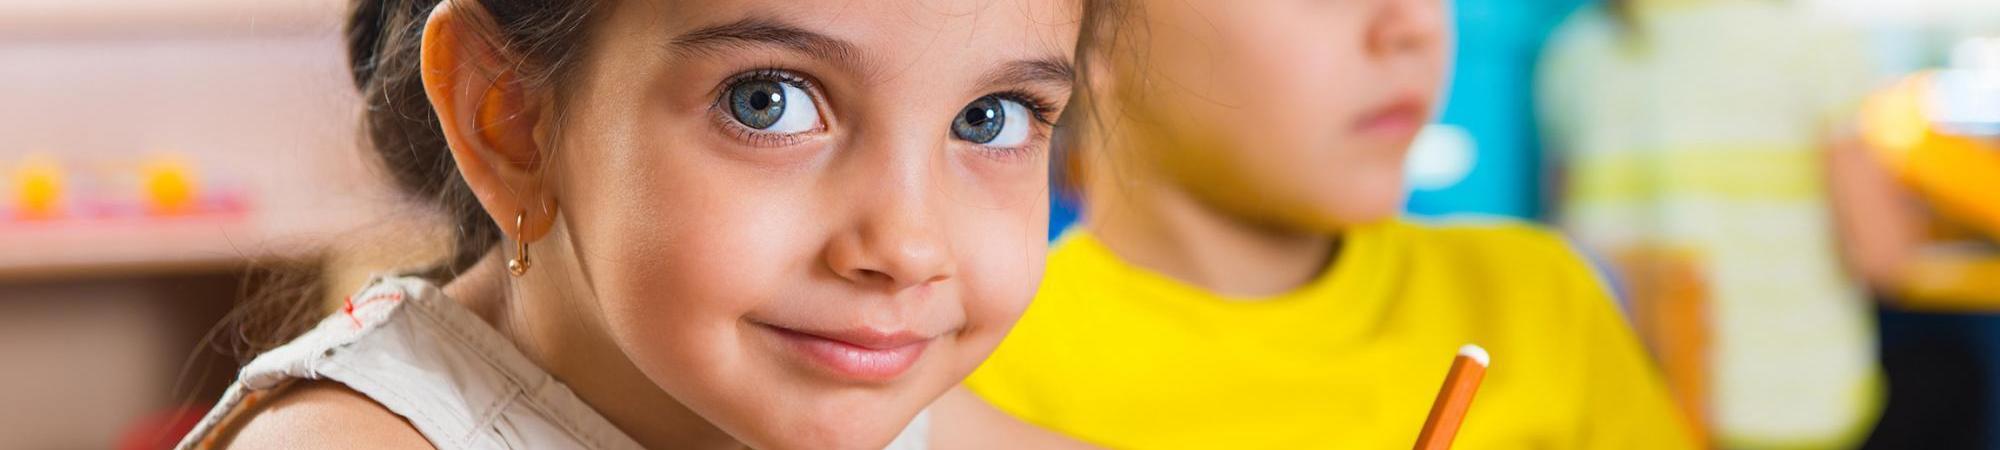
1291,112
806,221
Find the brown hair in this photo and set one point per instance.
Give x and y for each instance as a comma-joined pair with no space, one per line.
1110,30
384,39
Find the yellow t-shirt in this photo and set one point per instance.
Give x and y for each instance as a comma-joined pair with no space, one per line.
1123,357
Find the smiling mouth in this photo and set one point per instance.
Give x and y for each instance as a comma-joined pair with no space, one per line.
859,355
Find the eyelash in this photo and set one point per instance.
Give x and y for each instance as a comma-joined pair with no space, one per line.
719,109
1039,136
1034,103
1036,106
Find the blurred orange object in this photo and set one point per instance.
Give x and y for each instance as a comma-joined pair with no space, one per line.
1669,302
39,187
170,185
1958,175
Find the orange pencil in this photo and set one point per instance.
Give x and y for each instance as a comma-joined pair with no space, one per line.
1454,398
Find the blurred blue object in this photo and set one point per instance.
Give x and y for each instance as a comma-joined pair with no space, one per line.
1491,101
1062,212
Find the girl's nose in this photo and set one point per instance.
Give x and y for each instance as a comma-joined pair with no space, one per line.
897,240
1406,26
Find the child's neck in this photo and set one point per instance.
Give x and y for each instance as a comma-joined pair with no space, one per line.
546,316
1167,230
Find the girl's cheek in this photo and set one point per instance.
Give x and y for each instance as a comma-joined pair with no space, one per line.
1001,267
1009,180
732,249
691,239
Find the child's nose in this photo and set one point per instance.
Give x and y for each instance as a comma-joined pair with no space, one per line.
896,242
1406,26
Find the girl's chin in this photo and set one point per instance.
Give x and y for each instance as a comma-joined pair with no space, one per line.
851,426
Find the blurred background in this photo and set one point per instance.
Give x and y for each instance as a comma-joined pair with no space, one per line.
159,157
1815,182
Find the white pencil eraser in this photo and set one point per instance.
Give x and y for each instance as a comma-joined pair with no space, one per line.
1475,352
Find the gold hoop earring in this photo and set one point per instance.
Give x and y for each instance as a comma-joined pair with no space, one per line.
519,264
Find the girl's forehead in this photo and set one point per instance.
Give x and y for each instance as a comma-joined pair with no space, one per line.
938,42
892,31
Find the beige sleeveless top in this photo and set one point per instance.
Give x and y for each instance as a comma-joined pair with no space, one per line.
406,346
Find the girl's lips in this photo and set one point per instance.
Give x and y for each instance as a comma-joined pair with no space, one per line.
863,355
1398,118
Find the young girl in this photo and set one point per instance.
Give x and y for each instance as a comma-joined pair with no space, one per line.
1240,282
708,224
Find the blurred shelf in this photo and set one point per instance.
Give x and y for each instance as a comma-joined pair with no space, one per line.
268,115
97,17
125,248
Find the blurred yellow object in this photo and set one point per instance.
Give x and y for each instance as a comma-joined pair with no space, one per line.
170,185
1958,175
1955,284
39,188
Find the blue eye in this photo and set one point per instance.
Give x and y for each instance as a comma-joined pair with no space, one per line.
993,121
772,106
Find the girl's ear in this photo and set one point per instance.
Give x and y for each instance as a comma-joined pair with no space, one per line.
490,120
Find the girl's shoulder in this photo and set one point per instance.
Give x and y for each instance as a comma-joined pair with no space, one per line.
401,363
320,414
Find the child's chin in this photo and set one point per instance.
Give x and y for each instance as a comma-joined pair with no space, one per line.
850,430
1368,199
1358,205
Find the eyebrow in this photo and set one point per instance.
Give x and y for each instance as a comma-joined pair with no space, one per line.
761,31
758,31
1051,70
